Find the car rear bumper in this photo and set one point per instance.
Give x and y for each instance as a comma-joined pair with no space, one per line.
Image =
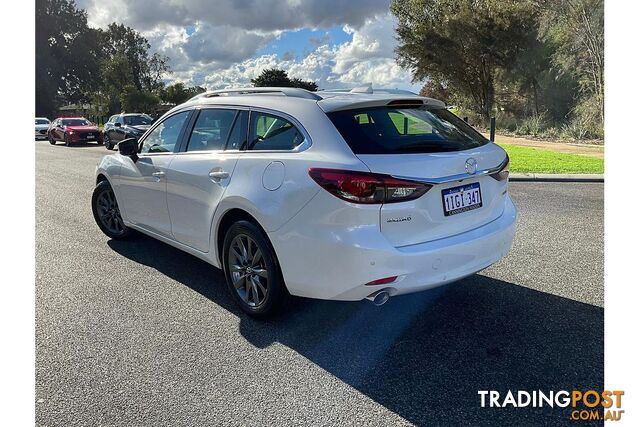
332,262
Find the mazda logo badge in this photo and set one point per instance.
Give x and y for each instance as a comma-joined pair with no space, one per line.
471,166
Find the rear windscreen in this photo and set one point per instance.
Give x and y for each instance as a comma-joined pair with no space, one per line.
398,130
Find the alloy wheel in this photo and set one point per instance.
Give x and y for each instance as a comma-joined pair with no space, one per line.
247,267
109,213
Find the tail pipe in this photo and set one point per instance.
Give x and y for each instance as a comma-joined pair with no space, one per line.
379,297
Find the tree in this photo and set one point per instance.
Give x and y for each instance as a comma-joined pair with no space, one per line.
308,85
437,90
146,70
126,62
576,28
67,53
463,43
132,99
75,63
274,77
116,75
178,93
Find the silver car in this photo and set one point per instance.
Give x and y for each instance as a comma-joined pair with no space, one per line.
42,125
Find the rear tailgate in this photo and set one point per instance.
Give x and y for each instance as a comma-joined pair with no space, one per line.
424,219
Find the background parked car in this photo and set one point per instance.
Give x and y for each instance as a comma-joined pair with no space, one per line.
42,126
72,130
123,126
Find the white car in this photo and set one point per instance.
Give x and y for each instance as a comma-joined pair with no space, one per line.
42,126
331,195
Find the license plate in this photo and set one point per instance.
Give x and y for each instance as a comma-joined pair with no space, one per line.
90,136
461,199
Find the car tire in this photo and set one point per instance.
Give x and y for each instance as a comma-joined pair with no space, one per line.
107,213
107,142
51,140
66,140
254,280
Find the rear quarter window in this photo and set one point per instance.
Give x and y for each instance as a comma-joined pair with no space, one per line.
397,130
271,132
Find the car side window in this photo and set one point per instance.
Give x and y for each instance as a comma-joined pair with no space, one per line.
164,137
270,132
120,120
211,130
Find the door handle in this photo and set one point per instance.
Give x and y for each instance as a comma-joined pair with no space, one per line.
158,174
218,175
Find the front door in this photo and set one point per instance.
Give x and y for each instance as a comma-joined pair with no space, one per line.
142,186
199,176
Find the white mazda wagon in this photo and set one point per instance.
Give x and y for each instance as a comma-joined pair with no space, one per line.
332,195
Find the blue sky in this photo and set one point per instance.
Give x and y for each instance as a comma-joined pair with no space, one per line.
301,42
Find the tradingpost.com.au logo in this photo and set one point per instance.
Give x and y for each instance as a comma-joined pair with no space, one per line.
589,405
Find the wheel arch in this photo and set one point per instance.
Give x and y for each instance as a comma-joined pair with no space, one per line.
101,177
230,217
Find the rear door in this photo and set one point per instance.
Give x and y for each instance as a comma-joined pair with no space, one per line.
433,146
201,172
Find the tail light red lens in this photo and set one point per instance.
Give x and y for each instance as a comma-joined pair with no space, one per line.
503,173
365,187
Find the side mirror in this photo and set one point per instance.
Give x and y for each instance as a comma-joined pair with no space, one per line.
117,124
129,147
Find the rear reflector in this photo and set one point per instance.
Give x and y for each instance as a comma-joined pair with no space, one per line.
382,281
368,188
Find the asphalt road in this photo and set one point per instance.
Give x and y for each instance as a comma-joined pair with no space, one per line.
139,333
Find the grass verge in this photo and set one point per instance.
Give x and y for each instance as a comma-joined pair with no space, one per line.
533,160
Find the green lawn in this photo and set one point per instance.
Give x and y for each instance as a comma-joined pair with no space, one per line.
533,160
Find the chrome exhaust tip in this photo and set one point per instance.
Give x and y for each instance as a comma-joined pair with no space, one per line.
378,298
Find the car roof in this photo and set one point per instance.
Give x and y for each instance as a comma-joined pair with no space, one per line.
288,99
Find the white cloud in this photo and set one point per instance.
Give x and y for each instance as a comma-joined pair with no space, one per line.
369,57
264,15
227,34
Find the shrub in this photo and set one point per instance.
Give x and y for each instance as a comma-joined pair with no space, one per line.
551,133
532,125
585,122
574,130
506,121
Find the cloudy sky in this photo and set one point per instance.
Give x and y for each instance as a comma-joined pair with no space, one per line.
222,43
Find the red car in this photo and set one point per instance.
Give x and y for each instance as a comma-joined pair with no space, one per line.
72,130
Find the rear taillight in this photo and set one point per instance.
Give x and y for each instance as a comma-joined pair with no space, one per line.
364,187
503,173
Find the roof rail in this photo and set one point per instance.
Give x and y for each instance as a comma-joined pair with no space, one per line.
286,91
